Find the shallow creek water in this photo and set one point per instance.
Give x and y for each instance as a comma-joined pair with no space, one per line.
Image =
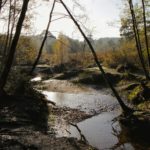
100,131
84,101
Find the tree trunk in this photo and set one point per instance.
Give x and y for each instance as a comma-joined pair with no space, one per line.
0,5
8,33
137,39
44,39
13,25
7,67
126,110
145,32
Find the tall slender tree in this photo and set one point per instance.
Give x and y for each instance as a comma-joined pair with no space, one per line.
126,109
8,30
137,39
44,39
145,31
13,23
0,4
7,67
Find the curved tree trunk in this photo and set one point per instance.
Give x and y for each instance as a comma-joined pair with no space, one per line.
7,67
126,110
44,39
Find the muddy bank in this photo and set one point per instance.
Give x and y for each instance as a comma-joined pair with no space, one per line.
69,114
34,140
97,129
127,83
60,115
24,125
83,79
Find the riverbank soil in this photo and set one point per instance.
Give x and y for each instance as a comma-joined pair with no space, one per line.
133,88
24,125
25,121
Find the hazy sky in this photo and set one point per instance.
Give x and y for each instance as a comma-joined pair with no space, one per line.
100,13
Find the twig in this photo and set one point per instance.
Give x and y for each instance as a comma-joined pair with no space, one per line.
82,137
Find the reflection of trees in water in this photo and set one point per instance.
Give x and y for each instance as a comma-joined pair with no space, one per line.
134,137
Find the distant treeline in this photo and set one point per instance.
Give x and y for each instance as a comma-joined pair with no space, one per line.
59,47
74,45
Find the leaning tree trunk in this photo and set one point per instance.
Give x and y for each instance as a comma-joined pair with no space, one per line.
137,39
0,5
7,67
8,33
5,49
44,39
145,32
13,25
126,110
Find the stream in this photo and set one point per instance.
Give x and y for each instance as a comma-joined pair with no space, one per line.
100,130
85,101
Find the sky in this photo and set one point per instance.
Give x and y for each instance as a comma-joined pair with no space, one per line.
101,14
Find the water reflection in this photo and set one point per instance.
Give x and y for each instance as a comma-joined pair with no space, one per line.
83,101
36,79
98,130
102,133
